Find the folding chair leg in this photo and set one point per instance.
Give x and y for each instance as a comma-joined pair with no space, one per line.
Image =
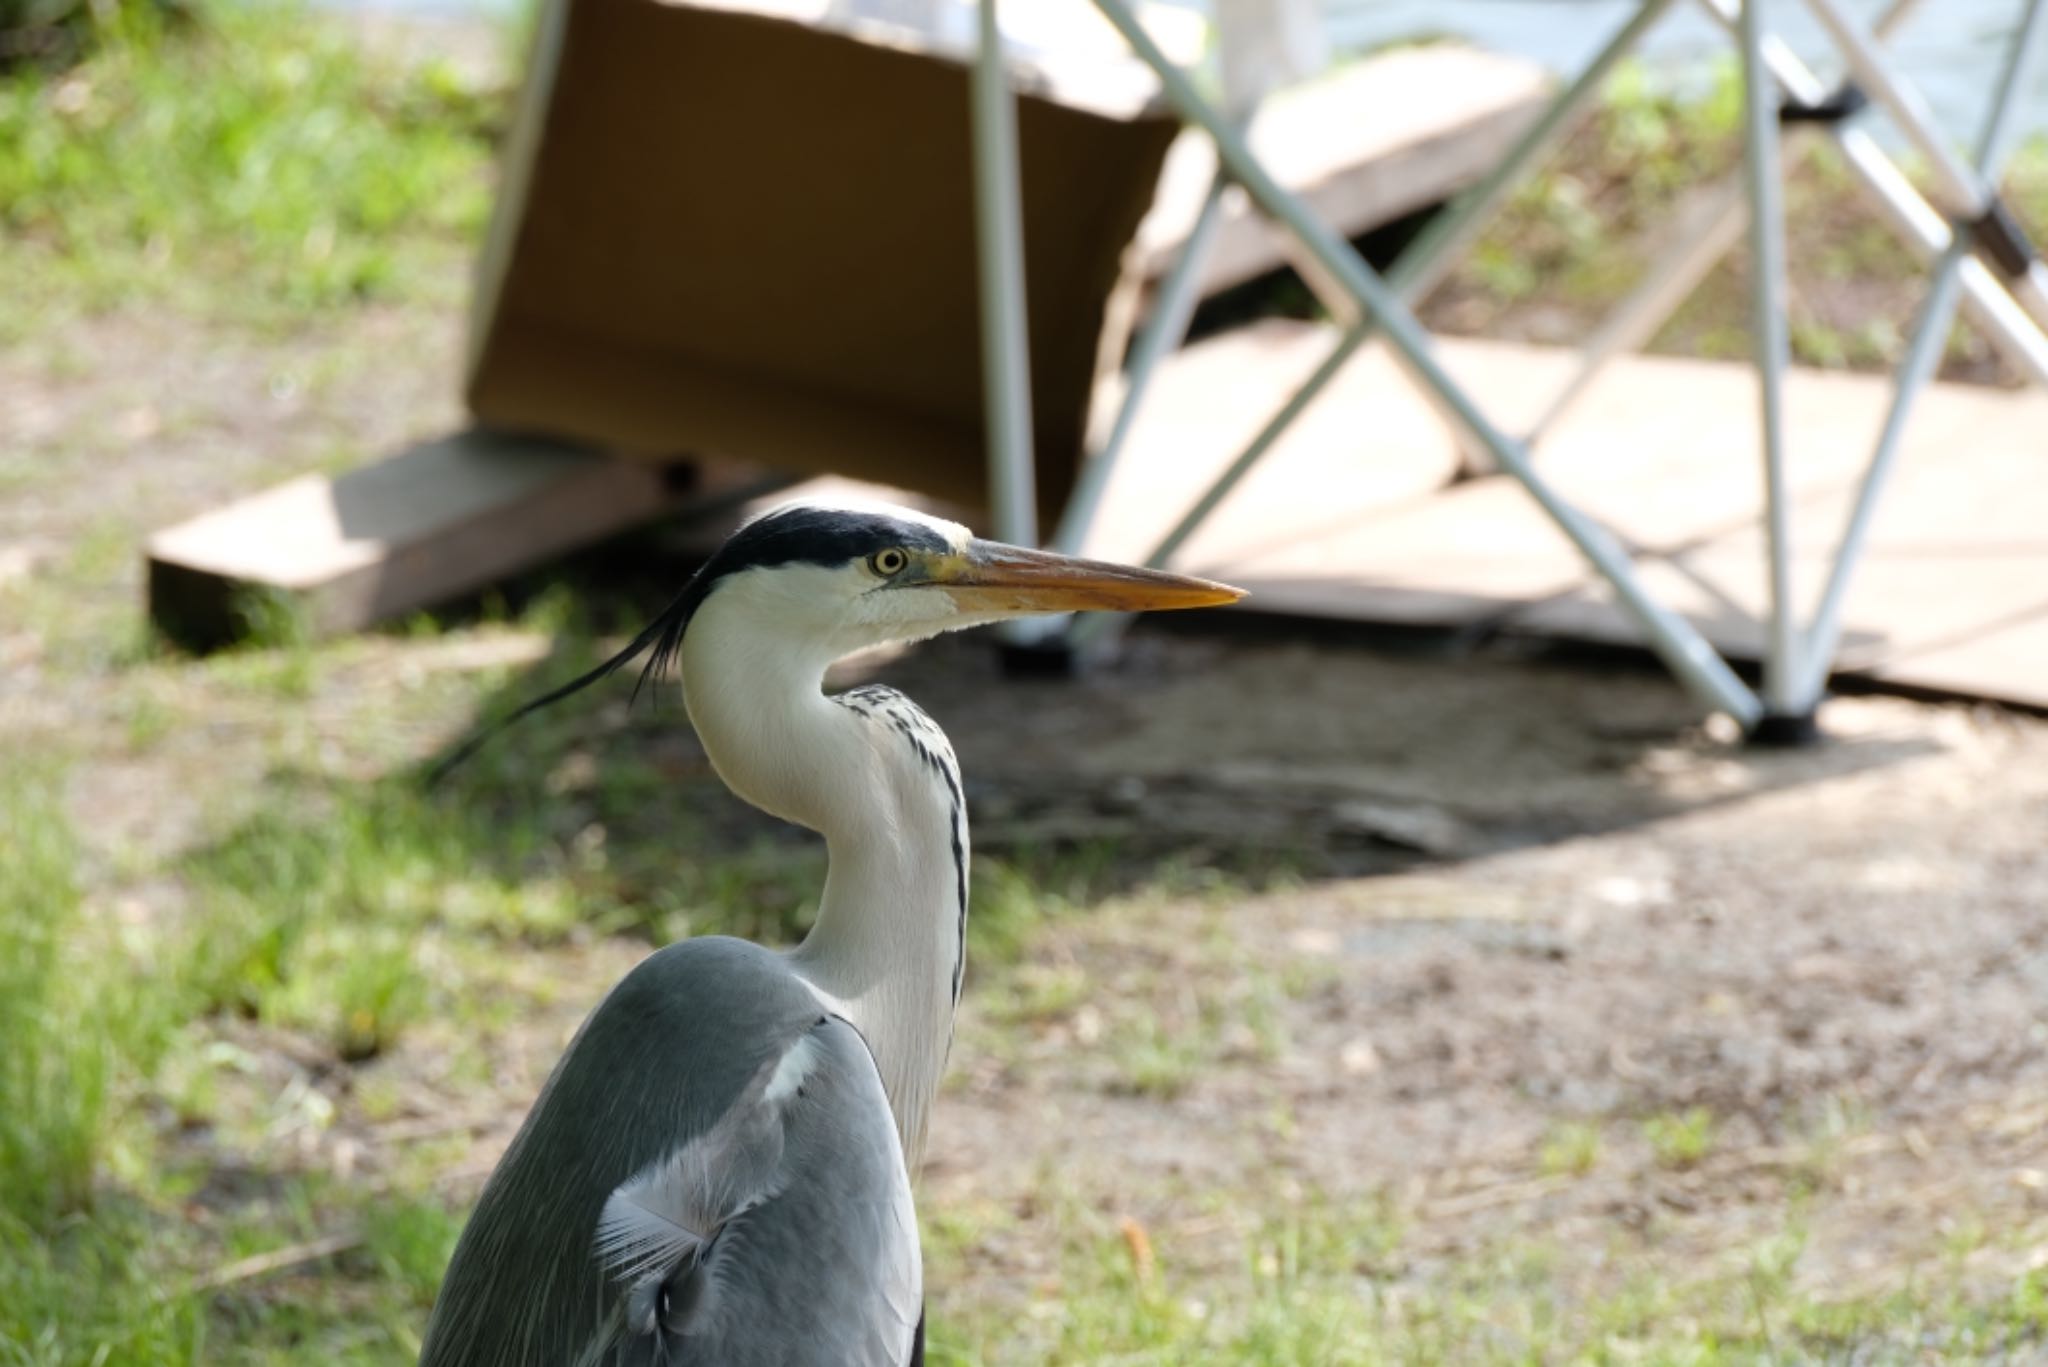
1420,267
1969,194
1005,333
1098,628
1710,223
1676,640
1164,331
1989,306
1773,354
1923,354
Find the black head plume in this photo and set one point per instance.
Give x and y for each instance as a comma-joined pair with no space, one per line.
798,534
664,634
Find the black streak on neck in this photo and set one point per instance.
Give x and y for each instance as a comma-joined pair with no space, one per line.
908,720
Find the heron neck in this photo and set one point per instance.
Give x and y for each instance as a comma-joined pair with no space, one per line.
885,948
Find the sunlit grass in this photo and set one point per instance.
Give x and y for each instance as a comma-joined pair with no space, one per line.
263,163
1680,1139
76,1030
1570,1150
1317,1280
331,878
340,927
1579,235
56,1062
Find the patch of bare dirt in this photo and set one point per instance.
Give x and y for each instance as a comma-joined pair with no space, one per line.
1518,894
1840,953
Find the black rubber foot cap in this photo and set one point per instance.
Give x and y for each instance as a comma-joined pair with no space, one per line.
1783,732
1053,659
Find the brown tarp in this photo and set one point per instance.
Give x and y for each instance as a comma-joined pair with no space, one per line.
739,236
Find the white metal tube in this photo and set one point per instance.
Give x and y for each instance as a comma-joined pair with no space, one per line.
1773,353
1681,646
1985,301
2010,328
1915,369
1005,332
1995,143
1964,189
1423,262
1923,355
1345,310
1100,626
2031,289
1256,449
1710,224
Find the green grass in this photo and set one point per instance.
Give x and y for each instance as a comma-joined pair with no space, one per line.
92,1295
430,913
1572,1149
1334,1281
252,167
55,1070
265,167
1581,233
1680,1139
79,1026
341,913
331,946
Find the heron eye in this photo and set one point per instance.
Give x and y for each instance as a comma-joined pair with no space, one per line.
888,563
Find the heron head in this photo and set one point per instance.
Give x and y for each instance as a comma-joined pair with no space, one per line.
851,576
814,581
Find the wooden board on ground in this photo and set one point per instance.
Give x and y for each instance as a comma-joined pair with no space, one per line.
436,520
1353,516
1363,145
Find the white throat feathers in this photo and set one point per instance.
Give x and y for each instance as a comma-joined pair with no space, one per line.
754,631
877,778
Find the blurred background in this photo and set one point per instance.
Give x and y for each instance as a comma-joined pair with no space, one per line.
1343,987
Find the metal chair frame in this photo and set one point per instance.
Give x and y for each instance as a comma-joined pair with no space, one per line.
1979,262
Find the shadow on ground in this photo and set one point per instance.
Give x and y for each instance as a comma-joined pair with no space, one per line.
1260,748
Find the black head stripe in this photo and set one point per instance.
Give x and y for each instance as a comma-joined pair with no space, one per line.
819,536
802,534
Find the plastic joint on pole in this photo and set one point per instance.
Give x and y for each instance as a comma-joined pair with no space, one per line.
2001,240
1785,731
1839,105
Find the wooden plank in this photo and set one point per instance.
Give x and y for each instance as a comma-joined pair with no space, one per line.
1363,144
1353,516
431,522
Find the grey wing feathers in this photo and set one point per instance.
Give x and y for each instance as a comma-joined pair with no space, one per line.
816,1264
712,1175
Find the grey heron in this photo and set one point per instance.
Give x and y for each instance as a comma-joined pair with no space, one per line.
717,1170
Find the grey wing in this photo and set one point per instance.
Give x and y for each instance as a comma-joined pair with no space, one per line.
712,1156
785,1235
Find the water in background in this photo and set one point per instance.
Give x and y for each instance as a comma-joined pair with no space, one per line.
1950,49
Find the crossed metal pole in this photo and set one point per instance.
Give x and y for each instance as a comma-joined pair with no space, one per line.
1981,263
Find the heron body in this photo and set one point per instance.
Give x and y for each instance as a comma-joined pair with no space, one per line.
718,1169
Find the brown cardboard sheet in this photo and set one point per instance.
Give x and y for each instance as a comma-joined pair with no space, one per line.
747,237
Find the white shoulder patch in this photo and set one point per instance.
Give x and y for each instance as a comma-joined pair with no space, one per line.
795,1065
672,1208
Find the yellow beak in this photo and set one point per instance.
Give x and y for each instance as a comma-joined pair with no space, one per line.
993,577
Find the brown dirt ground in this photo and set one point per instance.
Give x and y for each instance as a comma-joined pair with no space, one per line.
1627,915
1521,891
